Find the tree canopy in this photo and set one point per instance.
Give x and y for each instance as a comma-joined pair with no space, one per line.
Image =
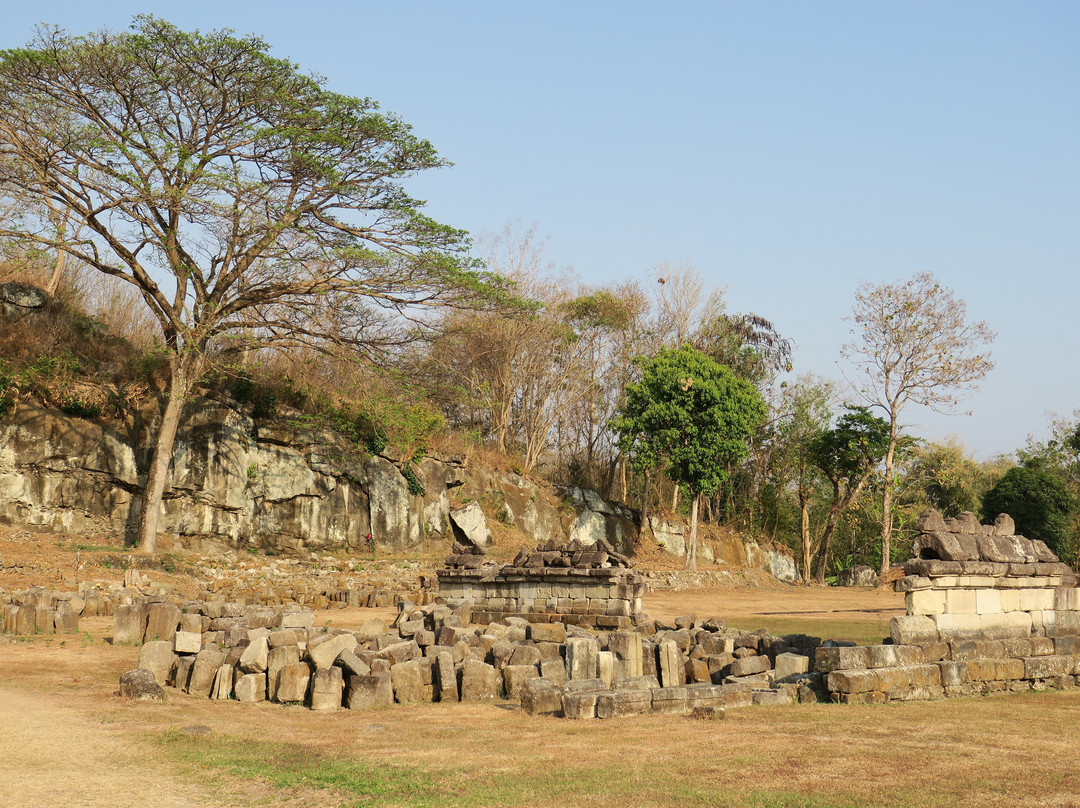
240,196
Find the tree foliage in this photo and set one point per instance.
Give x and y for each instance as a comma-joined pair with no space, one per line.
241,197
689,413
1041,505
913,344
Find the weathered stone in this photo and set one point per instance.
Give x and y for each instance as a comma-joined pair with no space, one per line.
605,666
737,695
129,625
187,642
672,668
581,658
547,632
580,705
292,683
444,676
514,678
541,696
140,684
66,618
350,663
324,653
250,688
626,645
255,656
401,652
670,700
622,703
913,630
479,682
278,659
408,683
222,687
554,670
369,692
158,658
1047,667
204,671
790,665
470,527
326,689
750,665
161,621
304,619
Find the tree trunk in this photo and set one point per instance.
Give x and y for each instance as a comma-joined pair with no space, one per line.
675,498
691,550
886,504
644,506
58,270
807,543
184,373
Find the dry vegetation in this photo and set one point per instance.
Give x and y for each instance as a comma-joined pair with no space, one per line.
70,740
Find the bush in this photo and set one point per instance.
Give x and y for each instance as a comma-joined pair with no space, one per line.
1040,504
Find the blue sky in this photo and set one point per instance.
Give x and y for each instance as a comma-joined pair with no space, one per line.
786,150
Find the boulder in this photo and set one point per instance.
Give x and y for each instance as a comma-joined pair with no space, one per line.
140,684
470,527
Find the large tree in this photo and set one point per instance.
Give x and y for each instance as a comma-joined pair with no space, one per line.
239,195
913,344
695,415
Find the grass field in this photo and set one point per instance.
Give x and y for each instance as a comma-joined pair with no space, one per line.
59,693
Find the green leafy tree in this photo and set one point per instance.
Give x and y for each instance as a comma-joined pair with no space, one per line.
1040,503
847,455
237,194
695,415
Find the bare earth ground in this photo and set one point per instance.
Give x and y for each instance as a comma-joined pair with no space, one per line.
67,739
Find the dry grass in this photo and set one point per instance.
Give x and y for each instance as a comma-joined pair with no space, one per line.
1003,751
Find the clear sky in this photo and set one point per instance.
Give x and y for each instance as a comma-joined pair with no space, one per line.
788,150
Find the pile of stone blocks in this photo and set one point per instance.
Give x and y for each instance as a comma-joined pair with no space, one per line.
987,611
434,653
584,586
40,611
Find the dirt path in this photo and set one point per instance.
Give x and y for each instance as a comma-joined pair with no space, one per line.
54,755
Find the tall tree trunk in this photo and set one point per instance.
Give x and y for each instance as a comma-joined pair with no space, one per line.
675,498
691,551
645,505
58,270
886,503
184,373
807,543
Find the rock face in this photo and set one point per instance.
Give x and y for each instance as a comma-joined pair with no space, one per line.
278,484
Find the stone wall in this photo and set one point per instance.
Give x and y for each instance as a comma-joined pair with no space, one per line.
987,611
574,584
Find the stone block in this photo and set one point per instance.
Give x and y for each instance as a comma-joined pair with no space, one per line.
278,639
515,677
298,619
223,682
670,700
766,698
161,621
292,683
369,692
158,658
444,677
250,688
671,665
204,671
959,601
790,665
581,658
1066,646
65,618
324,652
408,682
1009,625
1067,597
400,652
1009,599
913,630
547,632
988,601
623,703
327,686
605,666
925,601
541,696
748,666
737,695
855,681
697,672
627,648
580,705
1035,599
255,656
129,625
554,669
187,642
702,695
479,681
277,659
845,657
1047,667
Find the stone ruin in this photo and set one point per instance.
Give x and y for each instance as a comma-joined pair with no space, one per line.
575,584
987,611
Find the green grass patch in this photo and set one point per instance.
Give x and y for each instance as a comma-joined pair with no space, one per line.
290,766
